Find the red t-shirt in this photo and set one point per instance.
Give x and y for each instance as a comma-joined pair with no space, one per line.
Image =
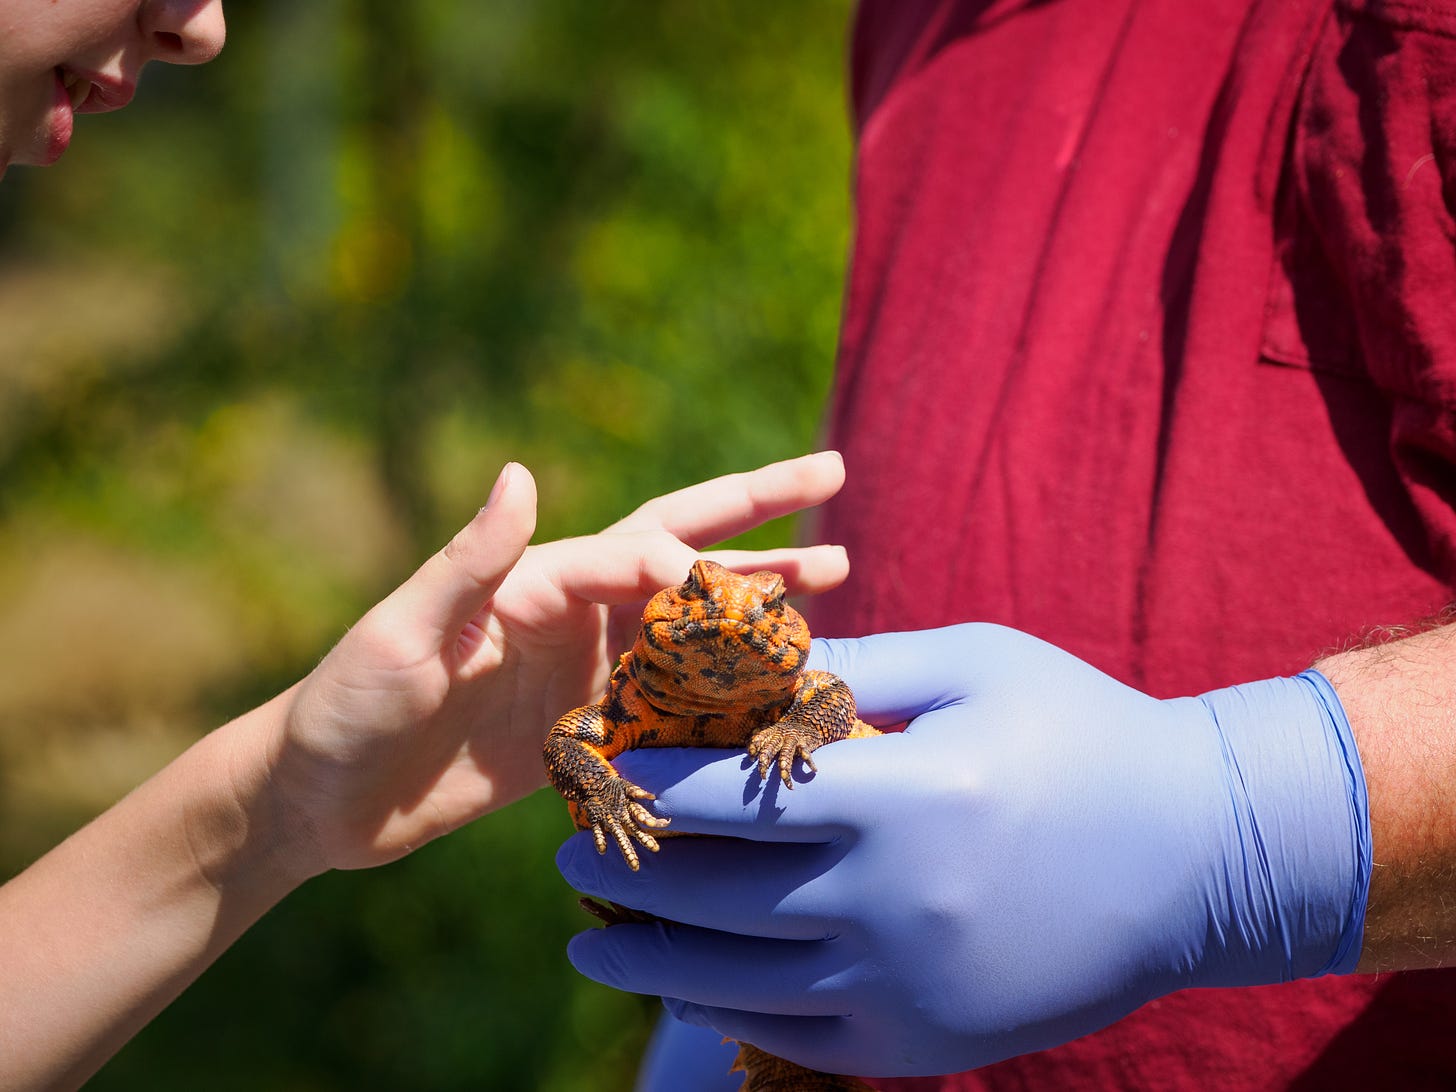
1150,350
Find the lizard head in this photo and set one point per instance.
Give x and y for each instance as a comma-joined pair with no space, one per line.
721,638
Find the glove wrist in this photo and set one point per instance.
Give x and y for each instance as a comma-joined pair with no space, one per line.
1297,834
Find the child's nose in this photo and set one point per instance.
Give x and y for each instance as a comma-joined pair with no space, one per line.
184,31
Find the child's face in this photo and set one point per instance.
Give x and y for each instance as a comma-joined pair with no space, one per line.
59,58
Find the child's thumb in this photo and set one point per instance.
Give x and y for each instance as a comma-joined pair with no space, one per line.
451,588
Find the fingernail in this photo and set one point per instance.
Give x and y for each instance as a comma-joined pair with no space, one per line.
500,485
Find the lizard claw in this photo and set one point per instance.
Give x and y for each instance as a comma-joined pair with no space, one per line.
779,744
615,810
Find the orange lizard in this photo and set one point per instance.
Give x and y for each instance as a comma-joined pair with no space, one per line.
719,662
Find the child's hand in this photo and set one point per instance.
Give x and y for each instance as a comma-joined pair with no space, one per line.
432,710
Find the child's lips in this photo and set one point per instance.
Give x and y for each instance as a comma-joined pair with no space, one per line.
94,93
60,122
78,92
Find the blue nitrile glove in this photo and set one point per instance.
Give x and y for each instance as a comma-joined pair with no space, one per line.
684,1056
1040,852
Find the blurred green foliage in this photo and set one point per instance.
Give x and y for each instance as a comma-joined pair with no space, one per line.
265,339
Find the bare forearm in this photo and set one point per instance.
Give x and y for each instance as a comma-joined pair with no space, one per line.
1401,701
103,932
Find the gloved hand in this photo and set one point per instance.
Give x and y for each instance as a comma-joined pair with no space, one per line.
1041,851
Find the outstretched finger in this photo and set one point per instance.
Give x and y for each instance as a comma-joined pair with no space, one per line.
807,570
626,567
723,507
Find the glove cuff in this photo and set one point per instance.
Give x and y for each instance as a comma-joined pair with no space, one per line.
1352,939
1297,842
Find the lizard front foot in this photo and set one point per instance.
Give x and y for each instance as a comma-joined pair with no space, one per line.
779,744
613,809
